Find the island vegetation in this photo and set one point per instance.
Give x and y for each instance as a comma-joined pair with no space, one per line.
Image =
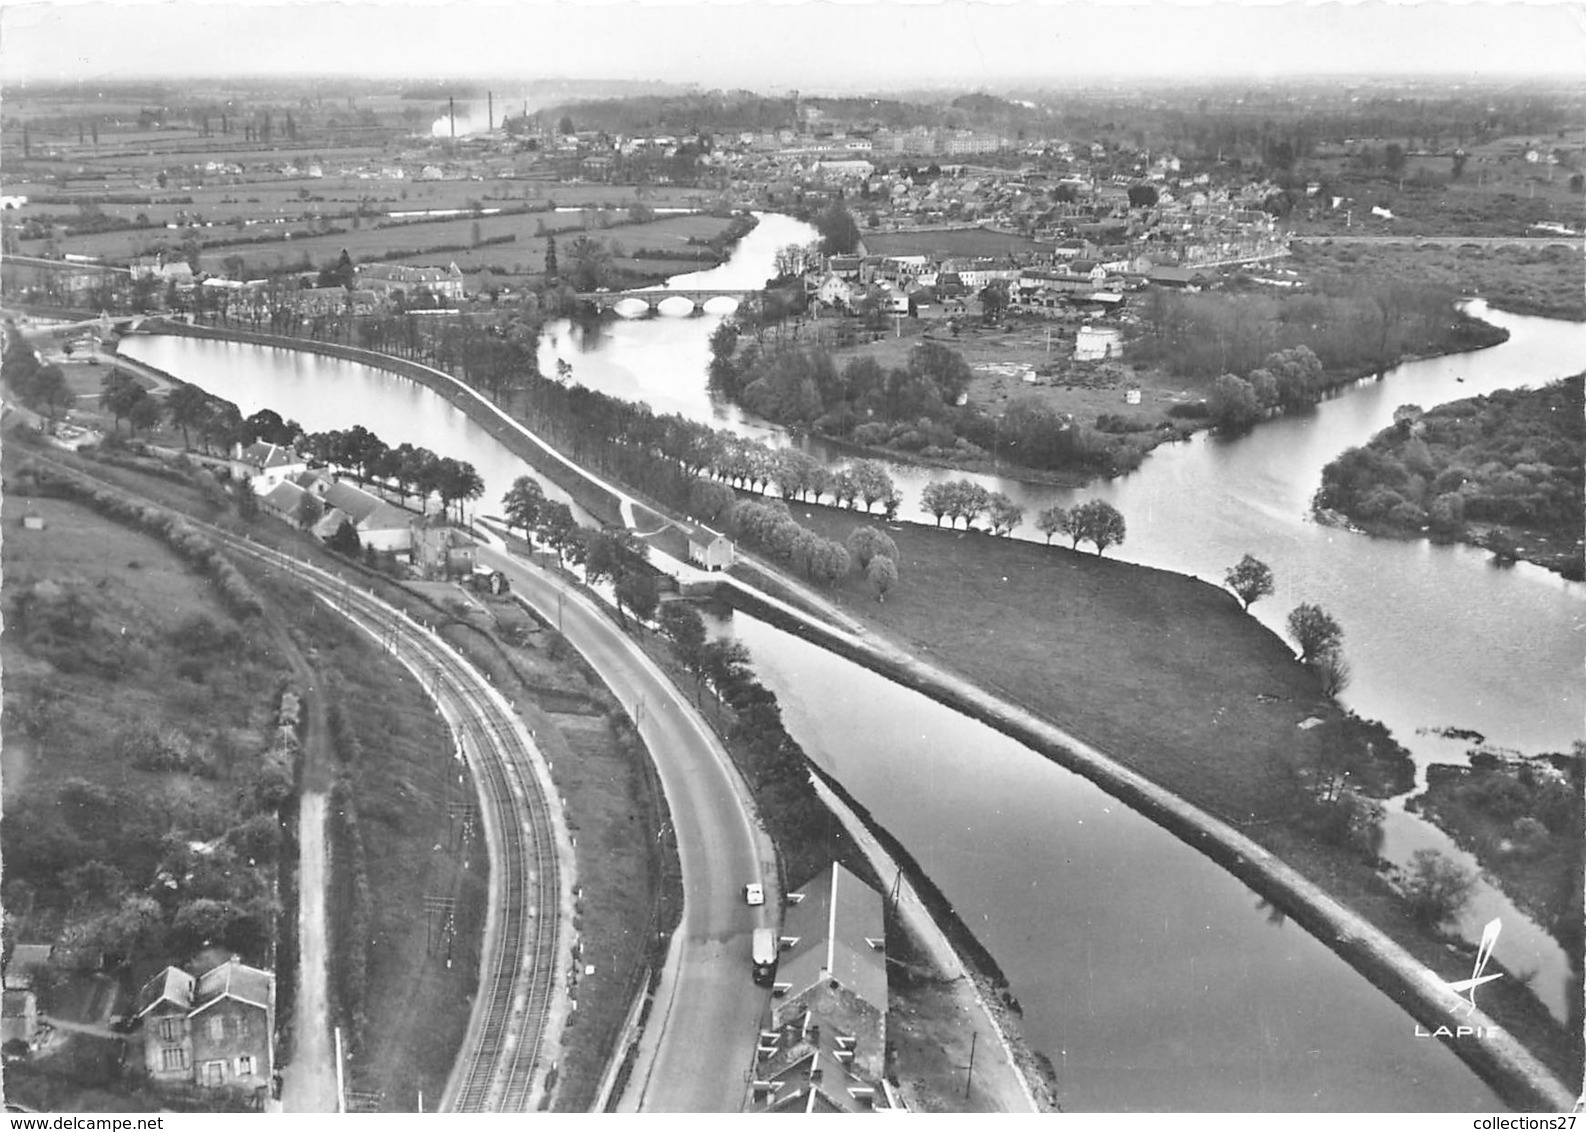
1521,817
1503,471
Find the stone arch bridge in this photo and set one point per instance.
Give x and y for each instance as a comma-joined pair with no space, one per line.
653,297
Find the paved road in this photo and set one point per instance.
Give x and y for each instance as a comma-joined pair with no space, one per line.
697,1046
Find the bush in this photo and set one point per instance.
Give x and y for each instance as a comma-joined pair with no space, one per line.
1436,888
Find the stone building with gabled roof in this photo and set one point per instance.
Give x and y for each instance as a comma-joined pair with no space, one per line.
216,1030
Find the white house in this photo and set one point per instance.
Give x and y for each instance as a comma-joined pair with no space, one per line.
708,549
1094,344
266,466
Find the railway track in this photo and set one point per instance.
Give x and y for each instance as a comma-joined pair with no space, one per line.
496,1071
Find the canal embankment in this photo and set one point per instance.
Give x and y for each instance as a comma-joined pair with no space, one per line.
1499,1057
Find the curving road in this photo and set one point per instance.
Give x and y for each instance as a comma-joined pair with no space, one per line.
696,1050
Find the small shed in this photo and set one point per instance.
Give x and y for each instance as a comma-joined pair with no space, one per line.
711,550
32,522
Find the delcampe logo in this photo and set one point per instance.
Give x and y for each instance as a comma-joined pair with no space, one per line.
1463,991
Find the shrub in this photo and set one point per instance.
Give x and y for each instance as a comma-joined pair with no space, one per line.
1436,888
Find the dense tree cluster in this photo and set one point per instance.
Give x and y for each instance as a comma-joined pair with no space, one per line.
1351,328
771,527
1513,459
1286,379
967,500
38,386
800,386
913,408
770,759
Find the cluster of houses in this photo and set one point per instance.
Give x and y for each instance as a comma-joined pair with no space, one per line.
823,1048
314,500
1038,283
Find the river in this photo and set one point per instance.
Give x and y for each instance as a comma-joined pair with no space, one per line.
1148,975
1436,636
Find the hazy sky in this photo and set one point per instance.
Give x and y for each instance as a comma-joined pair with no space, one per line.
814,46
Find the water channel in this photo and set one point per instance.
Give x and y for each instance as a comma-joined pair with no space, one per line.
1152,978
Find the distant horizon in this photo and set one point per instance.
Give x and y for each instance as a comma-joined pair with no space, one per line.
502,84
821,46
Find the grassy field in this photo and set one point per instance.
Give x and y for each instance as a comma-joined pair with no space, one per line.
1197,690
1085,389
524,256
139,591
1544,281
1498,193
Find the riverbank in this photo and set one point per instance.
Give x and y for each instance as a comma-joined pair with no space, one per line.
1209,724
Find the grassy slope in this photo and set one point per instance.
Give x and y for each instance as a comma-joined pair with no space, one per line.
1160,669
138,590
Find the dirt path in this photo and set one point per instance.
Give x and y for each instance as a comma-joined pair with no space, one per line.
310,1080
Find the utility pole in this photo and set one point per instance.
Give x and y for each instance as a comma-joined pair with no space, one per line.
341,1084
490,109
451,114
973,1039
